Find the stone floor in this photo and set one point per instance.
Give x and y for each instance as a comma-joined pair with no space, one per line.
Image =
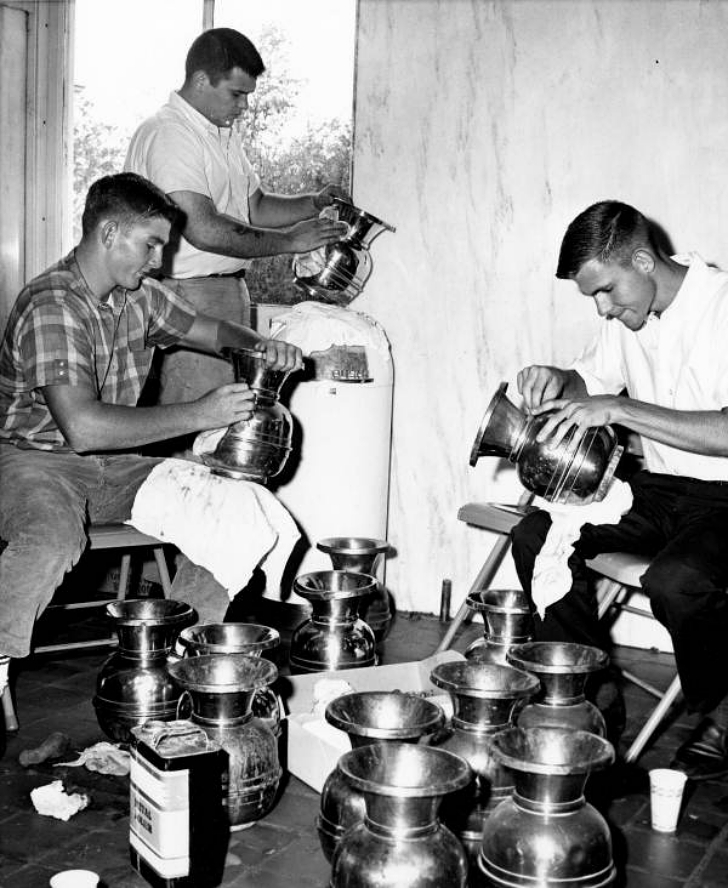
54,692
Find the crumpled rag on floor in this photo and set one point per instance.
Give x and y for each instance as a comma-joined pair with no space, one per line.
52,800
103,757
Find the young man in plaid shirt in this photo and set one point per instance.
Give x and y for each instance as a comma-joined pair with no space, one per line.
75,356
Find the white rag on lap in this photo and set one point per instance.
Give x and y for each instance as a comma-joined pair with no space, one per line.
551,575
226,525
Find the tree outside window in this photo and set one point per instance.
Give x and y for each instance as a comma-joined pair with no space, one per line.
292,149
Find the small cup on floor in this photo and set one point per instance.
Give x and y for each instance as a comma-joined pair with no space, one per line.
77,878
666,792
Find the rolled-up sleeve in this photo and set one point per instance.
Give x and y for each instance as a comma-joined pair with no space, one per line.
54,347
173,158
171,316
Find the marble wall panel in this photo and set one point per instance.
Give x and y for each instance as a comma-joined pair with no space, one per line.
481,130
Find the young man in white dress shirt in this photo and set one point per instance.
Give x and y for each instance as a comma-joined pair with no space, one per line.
663,343
192,150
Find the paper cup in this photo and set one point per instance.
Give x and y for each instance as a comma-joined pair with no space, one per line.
666,792
77,878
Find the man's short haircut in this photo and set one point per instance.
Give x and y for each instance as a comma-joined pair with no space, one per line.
608,230
219,50
128,198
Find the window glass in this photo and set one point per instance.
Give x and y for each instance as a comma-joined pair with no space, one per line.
298,128
314,51
128,57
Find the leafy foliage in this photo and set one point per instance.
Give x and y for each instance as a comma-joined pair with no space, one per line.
303,163
98,150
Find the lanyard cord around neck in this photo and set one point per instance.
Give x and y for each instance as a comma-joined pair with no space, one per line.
117,322
100,385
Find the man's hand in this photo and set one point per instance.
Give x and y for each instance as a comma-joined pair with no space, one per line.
314,233
225,405
581,414
281,355
326,196
539,383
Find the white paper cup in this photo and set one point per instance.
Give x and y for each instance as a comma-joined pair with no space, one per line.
77,878
666,792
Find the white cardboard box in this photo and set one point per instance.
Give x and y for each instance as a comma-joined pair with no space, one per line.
313,746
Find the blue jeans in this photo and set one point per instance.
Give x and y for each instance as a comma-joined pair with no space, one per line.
46,502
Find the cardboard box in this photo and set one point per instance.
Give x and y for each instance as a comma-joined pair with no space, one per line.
313,746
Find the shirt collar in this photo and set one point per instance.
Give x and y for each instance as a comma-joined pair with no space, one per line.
79,286
693,290
192,114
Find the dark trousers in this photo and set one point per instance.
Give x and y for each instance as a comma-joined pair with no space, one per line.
681,524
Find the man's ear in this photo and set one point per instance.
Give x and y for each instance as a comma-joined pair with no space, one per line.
200,80
643,261
108,232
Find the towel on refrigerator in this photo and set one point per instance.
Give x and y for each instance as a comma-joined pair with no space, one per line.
226,525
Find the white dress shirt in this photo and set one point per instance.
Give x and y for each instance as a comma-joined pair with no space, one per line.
678,360
180,150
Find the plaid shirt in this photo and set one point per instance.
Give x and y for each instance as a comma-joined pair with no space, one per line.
58,333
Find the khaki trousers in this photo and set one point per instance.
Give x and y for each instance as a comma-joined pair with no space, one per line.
185,375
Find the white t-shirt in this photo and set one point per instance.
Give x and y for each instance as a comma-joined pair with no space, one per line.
180,150
679,361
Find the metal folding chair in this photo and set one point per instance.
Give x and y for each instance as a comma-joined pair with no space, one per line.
621,572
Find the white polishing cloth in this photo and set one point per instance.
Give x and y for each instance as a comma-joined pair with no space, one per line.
315,327
53,801
328,689
4,666
206,442
551,575
226,525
